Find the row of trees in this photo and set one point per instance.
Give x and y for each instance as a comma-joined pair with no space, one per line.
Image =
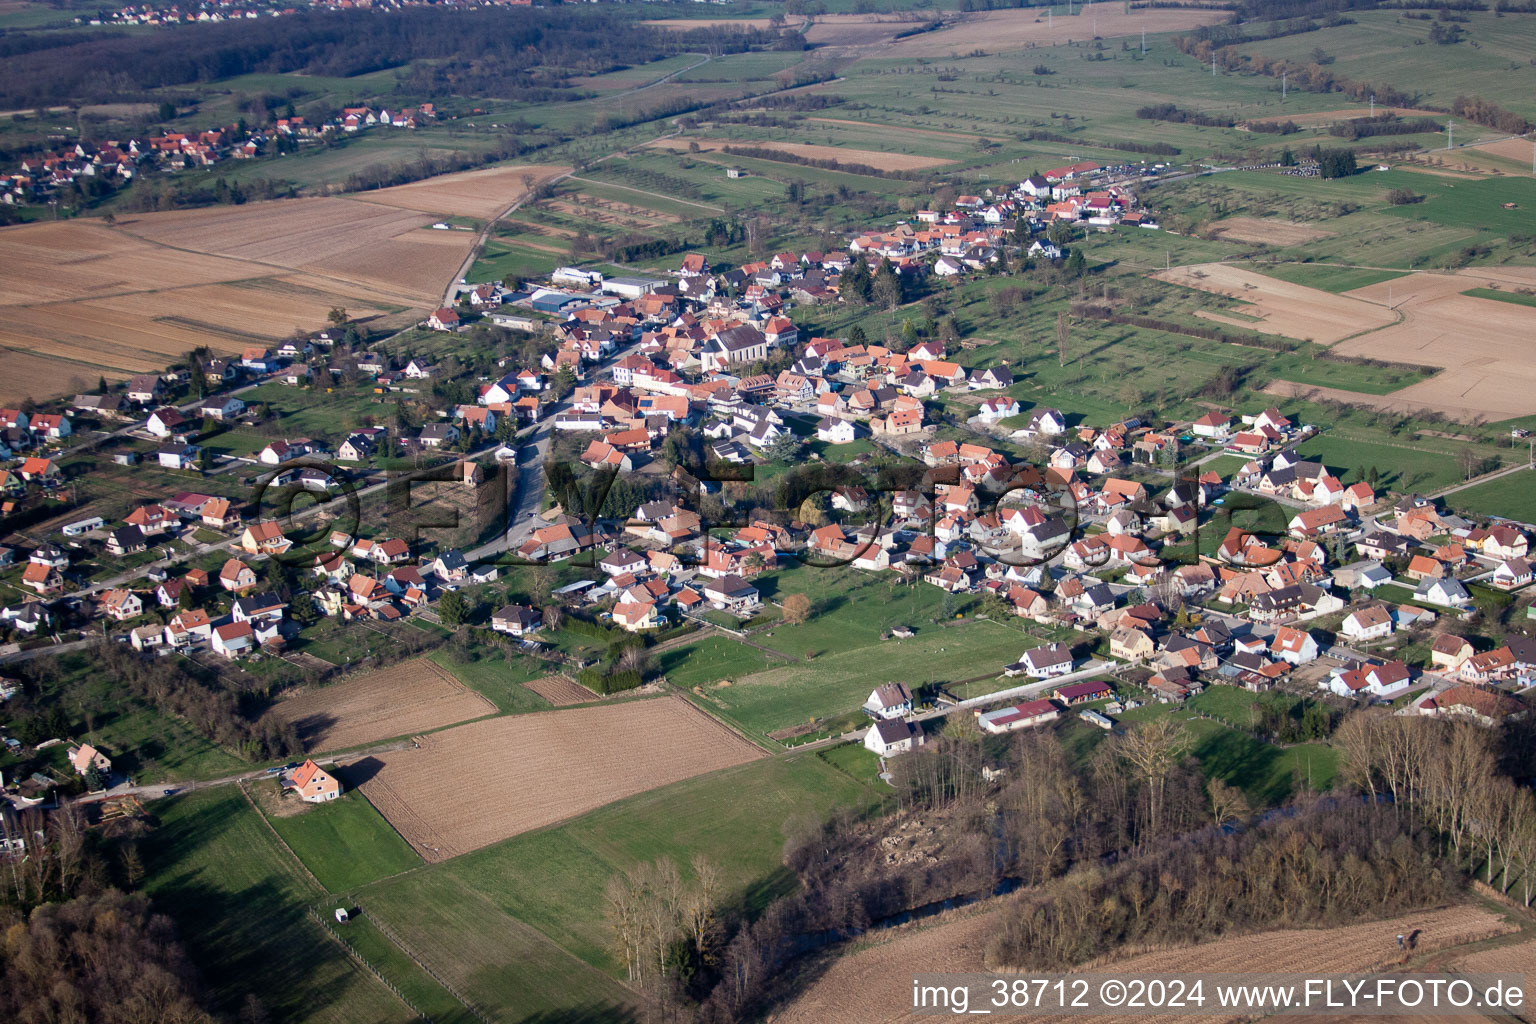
1446,775
664,926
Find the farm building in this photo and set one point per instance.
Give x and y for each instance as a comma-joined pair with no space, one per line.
1020,716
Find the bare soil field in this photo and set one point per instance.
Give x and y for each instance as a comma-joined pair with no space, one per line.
1002,31
872,157
1268,231
1292,310
112,301
561,690
480,783
1485,346
481,194
1515,958
401,700
874,984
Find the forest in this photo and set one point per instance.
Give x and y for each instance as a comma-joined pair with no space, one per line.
524,54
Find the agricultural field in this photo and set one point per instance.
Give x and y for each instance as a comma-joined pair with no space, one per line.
239,900
561,763
1279,307
561,690
1511,496
867,157
136,295
407,698
873,983
544,889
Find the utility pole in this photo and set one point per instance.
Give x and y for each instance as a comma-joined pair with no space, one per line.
1213,63
1282,85
1143,42
1373,104
1450,134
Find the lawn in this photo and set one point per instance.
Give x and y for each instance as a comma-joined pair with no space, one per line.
1511,496
239,899
1400,466
542,892
345,843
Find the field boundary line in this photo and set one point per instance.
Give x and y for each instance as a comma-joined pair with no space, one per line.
402,947
240,784
362,962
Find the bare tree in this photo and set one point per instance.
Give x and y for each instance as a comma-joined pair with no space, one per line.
1061,337
1154,748
1228,804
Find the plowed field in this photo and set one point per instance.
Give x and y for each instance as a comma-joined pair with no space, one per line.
467,787
83,299
560,690
397,701
874,985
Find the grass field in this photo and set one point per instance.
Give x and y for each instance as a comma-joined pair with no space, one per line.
239,901
550,883
498,677
1328,277
1512,496
1401,466
1518,298
345,843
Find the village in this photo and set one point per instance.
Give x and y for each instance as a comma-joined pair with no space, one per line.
106,164
1157,572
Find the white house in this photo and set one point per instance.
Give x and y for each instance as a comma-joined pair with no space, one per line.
891,736
1295,646
1447,593
893,700
1000,408
836,431
1369,623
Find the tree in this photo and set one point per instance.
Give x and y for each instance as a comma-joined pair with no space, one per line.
887,286
1077,264
1154,748
1061,337
337,317
797,608
453,609
1228,804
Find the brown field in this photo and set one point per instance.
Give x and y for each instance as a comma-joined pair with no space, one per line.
874,984
561,690
1002,31
1516,958
1267,231
1292,310
1484,345
482,194
86,300
872,157
402,700
483,782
